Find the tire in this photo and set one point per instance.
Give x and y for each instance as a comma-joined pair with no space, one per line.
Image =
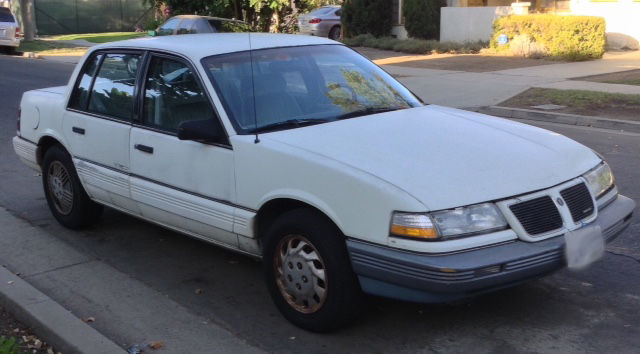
67,199
319,292
334,33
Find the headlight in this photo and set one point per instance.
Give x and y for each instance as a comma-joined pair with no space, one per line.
600,179
474,219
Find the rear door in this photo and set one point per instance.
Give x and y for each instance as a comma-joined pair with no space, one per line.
97,125
187,185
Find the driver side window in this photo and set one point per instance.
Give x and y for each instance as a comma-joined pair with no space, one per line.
173,95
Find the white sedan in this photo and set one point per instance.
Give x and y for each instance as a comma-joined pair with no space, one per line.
301,152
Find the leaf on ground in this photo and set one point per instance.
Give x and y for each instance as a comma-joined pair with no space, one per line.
156,345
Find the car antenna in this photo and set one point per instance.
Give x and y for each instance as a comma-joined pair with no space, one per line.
253,88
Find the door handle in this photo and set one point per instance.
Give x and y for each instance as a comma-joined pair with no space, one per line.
78,130
144,148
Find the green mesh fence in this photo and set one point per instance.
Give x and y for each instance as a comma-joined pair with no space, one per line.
89,16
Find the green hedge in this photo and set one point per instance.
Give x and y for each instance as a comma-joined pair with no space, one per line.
422,18
564,37
414,46
366,16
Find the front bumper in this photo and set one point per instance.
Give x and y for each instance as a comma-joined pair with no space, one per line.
432,278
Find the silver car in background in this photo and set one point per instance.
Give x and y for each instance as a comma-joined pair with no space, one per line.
322,22
9,29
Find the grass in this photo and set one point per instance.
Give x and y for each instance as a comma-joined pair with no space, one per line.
40,45
100,37
414,46
629,77
574,98
590,103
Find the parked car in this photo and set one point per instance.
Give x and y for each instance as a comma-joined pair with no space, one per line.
192,24
299,151
322,22
9,29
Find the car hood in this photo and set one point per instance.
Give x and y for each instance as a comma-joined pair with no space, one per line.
446,157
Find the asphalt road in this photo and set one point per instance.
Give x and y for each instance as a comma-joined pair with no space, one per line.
595,310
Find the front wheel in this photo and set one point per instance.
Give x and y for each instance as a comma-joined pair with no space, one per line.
308,272
68,201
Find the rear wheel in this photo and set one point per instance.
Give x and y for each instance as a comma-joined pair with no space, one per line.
308,272
335,33
67,200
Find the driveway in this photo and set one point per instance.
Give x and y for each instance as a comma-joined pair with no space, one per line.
463,85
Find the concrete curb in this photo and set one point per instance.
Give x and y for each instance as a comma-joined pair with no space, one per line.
562,118
49,320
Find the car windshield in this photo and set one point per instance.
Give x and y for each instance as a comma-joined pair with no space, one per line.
294,86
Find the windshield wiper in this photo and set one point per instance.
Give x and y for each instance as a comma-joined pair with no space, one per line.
290,123
367,111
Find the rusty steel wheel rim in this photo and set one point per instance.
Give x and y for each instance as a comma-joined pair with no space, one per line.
300,274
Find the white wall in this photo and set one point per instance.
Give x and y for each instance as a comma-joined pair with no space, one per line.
469,24
623,20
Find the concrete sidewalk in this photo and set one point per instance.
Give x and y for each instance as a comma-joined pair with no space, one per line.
468,89
126,311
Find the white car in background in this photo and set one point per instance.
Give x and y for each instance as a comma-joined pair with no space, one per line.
9,29
300,151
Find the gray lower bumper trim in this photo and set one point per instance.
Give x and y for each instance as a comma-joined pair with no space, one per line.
435,277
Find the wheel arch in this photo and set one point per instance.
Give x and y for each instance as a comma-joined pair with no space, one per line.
272,209
46,142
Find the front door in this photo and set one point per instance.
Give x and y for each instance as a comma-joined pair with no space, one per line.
186,185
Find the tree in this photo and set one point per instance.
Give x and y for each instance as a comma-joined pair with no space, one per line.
422,18
265,15
366,16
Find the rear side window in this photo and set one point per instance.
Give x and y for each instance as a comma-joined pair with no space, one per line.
201,26
168,28
6,17
185,26
80,93
112,92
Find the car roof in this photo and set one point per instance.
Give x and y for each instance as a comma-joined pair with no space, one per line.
198,46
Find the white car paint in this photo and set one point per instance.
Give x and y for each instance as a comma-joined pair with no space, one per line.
357,172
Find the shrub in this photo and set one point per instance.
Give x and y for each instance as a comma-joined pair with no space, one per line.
413,46
8,346
422,18
366,16
523,46
564,37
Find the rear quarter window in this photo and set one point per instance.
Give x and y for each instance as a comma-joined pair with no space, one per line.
80,93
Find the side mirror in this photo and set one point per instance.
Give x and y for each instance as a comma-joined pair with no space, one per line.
206,130
152,33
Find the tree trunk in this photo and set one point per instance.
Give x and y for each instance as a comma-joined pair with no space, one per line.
27,12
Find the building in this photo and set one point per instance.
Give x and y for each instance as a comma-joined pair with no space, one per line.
472,20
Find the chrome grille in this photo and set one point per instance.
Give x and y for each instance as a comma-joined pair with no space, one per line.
538,215
579,201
